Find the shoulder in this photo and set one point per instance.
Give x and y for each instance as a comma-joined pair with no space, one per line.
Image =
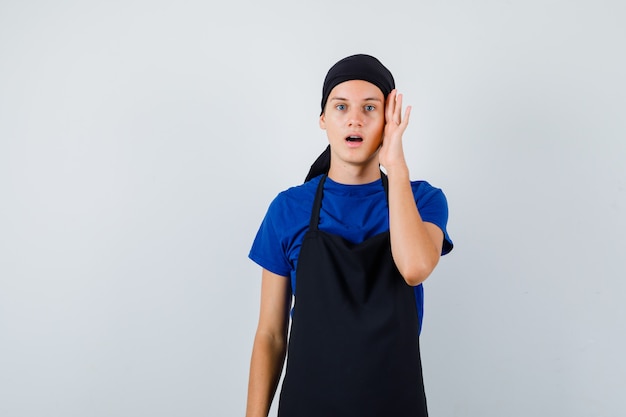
291,208
423,190
293,199
287,219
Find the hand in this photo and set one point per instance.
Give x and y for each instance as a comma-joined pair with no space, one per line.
391,154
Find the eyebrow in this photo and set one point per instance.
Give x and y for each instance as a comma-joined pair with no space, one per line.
366,99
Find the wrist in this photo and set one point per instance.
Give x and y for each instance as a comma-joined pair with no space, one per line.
397,171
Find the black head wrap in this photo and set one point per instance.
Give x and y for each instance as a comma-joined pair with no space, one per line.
355,67
358,67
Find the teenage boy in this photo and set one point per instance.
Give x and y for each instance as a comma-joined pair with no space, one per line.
352,246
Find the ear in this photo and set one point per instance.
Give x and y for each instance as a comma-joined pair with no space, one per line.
323,121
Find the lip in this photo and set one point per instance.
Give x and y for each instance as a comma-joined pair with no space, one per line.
354,144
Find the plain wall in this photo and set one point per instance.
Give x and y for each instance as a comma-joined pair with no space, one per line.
142,141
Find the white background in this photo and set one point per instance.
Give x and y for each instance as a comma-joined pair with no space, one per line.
142,141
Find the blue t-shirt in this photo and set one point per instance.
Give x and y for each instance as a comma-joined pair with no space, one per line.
355,212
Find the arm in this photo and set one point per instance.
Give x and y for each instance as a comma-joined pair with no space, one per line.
415,244
270,343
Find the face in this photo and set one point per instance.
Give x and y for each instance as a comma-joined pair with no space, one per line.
354,119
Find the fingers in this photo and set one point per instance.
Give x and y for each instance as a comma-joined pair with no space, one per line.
393,110
390,107
397,111
407,114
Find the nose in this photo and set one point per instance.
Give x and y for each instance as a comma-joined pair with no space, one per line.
355,118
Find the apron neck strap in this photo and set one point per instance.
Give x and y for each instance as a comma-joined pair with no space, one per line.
385,181
317,204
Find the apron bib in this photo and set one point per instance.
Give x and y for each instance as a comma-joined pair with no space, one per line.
353,346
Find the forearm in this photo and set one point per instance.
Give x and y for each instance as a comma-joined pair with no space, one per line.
414,251
268,356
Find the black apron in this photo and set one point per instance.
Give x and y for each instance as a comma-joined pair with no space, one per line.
354,346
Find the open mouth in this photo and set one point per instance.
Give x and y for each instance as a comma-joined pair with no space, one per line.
354,139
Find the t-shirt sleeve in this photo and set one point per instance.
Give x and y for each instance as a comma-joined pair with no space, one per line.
268,249
433,207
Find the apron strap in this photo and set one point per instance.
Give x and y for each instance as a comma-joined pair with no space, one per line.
385,181
317,204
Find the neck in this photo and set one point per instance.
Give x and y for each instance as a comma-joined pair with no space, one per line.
354,174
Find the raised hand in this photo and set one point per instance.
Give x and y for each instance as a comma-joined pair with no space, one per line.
391,154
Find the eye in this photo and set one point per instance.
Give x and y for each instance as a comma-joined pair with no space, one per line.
369,107
340,106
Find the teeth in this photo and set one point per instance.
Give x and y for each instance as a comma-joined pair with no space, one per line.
354,138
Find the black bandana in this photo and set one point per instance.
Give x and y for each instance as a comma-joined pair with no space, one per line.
358,67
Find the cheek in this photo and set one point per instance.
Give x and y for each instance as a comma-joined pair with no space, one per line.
379,123
334,121
378,116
